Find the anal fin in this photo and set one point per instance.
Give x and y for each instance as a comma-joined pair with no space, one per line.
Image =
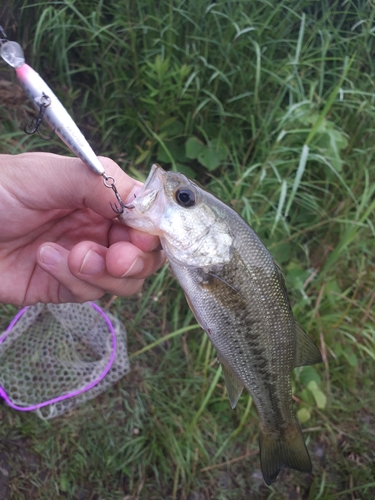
233,385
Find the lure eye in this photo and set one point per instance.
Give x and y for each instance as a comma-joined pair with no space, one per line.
185,197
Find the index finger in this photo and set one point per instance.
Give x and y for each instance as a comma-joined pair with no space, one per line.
48,181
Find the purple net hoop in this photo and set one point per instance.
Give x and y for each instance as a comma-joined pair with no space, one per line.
71,394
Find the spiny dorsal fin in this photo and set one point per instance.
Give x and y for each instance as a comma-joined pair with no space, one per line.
306,351
233,385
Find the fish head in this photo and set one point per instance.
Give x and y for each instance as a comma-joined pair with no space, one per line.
192,230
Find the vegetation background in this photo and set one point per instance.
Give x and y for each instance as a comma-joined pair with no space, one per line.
271,106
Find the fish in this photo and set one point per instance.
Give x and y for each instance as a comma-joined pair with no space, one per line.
238,295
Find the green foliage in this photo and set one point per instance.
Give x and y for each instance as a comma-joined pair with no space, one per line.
312,394
270,106
209,155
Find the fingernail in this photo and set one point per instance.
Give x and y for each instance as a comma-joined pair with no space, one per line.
49,255
93,263
135,268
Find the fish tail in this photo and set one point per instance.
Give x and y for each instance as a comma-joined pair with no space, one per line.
288,451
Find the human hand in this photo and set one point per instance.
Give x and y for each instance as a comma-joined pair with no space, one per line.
59,239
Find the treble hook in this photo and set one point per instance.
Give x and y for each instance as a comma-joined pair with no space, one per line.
3,36
112,184
36,123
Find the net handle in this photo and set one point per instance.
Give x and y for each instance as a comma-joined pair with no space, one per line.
71,394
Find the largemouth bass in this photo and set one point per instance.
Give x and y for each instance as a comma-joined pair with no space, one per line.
238,295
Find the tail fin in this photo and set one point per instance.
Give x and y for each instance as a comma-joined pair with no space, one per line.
276,453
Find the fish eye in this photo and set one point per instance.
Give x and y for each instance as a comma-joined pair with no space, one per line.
185,197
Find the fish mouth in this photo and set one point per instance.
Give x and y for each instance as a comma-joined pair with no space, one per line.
150,190
155,176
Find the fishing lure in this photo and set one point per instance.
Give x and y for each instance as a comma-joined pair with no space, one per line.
51,109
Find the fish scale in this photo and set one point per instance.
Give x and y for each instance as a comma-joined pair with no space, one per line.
243,336
238,295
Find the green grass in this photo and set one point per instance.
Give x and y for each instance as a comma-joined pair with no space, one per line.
270,105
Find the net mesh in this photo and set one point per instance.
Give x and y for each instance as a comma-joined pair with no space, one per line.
61,351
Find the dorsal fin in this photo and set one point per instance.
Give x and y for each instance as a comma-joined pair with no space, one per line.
306,351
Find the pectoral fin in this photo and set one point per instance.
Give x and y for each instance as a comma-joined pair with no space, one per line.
232,383
306,351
